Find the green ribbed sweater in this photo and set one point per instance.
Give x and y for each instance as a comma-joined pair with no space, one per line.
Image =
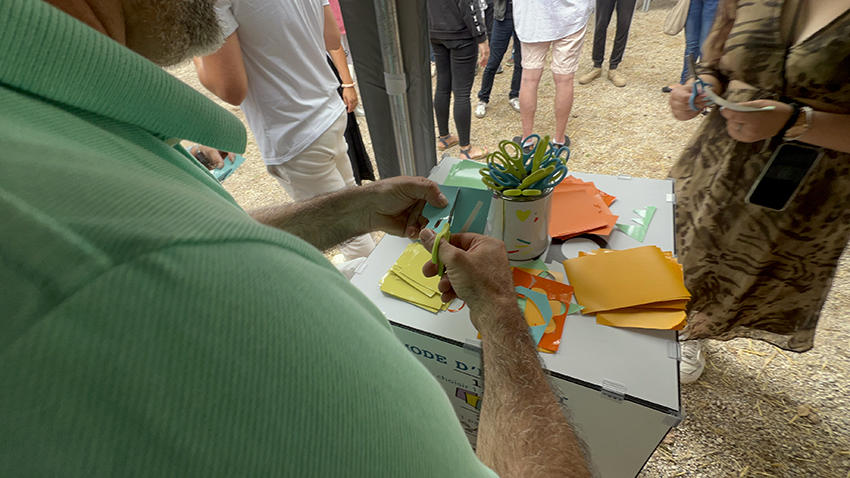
148,326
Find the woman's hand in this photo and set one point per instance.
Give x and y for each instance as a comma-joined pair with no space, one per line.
749,127
349,97
680,102
483,53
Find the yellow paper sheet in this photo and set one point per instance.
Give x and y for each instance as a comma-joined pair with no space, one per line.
397,287
409,266
626,278
660,319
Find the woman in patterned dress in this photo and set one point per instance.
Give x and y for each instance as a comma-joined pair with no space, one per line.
756,272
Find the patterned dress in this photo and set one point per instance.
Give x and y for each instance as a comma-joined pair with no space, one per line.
755,272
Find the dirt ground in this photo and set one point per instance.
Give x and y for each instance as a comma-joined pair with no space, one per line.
757,411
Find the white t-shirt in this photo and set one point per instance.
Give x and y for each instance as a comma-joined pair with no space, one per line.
292,92
548,20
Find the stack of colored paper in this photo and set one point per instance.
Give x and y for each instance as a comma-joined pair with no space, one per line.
578,207
642,287
545,304
405,280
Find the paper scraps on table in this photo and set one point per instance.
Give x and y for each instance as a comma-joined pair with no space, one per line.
470,214
638,230
538,268
641,287
577,211
546,321
406,281
466,174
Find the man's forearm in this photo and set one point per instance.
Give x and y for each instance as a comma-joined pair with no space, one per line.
323,221
523,431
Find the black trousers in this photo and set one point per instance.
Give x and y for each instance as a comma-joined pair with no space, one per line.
604,10
455,60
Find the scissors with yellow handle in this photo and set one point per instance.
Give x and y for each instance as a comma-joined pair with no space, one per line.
445,233
510,163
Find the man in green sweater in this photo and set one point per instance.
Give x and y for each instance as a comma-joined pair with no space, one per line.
151,327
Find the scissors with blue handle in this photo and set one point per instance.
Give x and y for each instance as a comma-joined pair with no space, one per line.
559,172
699,85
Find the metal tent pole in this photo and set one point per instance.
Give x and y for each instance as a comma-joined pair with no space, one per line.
396,83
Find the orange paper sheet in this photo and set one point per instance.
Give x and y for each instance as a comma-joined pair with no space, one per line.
559,296
626,278
572,182
574,212
644,318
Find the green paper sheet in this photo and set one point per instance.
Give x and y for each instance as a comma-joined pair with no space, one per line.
470,213
638,232
465,174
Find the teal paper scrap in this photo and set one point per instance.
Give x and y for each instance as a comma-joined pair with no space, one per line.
575,308
228,168
638,232
465,174
542,303
470,213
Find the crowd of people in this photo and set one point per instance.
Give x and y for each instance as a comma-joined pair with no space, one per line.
153,327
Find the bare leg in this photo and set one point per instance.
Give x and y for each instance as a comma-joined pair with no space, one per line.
528,99
563,104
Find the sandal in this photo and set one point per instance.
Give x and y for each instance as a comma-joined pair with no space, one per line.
464,154
444,145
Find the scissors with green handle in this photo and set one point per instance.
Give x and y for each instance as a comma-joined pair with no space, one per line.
445,233
502,161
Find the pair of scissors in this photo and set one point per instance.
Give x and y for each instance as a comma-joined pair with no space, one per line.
511,163
699,85
445,233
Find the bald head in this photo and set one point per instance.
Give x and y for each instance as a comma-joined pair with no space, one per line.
163,31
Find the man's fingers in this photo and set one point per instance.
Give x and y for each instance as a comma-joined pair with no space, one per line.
428,190
413,226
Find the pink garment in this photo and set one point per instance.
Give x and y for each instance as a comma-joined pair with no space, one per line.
338,15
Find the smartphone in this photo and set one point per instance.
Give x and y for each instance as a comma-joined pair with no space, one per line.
784,174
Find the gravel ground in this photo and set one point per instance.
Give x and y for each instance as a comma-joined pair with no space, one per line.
757,411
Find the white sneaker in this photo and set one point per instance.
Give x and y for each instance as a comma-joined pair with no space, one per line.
481,109
693,361
514,103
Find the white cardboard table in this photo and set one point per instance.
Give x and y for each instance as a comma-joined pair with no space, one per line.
621,386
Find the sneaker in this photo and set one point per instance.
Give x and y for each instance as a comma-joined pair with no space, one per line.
590,76
500,70
693,361
359,111
510,61
514,104
481,109
617,78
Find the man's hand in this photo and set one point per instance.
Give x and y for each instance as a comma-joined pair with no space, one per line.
483,53
749,127
395,205
477,271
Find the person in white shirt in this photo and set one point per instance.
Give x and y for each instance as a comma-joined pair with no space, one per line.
540,24
273,64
